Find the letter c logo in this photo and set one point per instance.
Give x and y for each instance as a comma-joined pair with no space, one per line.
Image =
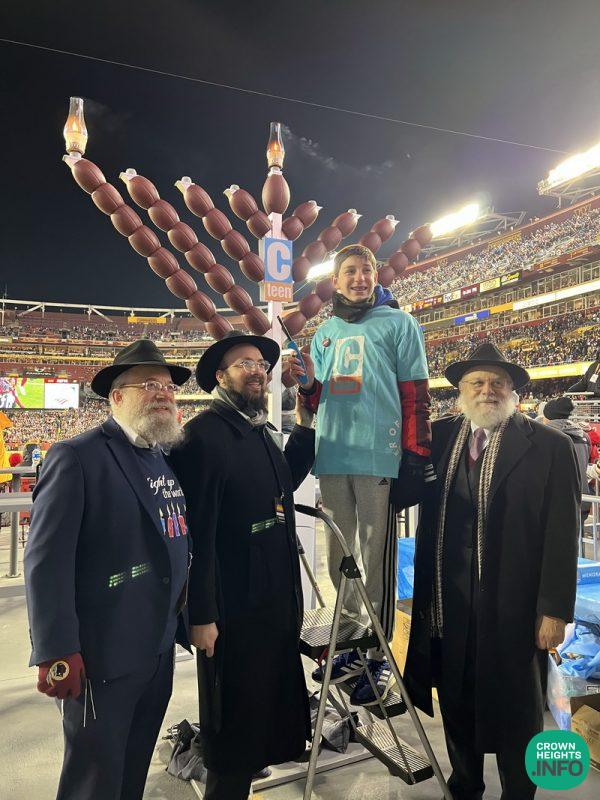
279,263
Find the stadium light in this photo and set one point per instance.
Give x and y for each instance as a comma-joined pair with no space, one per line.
322,269
465,216
573,167
75,131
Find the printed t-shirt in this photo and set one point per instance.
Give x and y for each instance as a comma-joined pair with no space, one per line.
359,420
170,510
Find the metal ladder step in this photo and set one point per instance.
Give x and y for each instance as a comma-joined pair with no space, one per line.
316,633
393,703
378,740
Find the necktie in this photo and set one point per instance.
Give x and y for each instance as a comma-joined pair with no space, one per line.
477,443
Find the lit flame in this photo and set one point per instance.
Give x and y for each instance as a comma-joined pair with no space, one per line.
275,148
75,131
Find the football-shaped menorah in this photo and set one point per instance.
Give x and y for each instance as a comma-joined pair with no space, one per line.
182,237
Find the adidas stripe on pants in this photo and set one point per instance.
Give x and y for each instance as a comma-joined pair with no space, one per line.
360,506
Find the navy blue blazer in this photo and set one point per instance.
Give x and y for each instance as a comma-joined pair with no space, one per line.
97,568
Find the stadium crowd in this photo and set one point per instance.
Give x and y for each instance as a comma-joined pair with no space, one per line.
551,240
52,426
103,332
554,341
190,387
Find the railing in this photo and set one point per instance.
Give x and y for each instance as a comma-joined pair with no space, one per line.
594,499
13,503
586,406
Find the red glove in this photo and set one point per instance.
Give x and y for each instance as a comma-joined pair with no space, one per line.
62,677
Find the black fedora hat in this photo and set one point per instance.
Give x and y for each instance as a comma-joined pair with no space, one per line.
486,355
211,358
141,353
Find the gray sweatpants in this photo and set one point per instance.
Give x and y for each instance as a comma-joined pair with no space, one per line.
359,504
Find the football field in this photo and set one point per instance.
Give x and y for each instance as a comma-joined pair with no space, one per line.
31,395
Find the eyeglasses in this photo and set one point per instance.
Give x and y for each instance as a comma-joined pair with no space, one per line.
152,386
497,384
253,366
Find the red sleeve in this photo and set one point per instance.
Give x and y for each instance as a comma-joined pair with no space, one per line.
594,439
311,398
416,425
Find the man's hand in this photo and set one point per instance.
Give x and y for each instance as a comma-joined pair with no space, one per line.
550,632
62,677
203,637
297,371
416,473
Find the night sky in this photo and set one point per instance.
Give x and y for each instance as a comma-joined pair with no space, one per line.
523,71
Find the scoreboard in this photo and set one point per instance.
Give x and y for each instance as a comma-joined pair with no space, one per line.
23,392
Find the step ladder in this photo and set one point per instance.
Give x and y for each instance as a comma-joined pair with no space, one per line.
329,633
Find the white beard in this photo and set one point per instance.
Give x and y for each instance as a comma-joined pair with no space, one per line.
164,431
484,415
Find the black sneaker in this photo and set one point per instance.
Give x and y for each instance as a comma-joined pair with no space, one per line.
362,694
344,666
262,774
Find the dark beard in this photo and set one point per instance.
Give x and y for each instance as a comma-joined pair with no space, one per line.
251,406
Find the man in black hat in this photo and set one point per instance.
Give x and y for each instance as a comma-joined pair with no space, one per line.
245,595
105,574
495,573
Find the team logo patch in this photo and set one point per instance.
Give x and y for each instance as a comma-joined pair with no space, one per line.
347,372
58,672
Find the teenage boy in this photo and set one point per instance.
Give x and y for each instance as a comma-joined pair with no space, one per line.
371,391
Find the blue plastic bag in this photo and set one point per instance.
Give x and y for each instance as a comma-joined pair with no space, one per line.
580,653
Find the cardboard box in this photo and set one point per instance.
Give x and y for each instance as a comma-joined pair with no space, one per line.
402,632
566,693
586,722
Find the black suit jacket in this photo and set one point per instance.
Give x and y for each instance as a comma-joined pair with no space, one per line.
94,519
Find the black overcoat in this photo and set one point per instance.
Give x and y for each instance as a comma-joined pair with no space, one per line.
245,576
529,568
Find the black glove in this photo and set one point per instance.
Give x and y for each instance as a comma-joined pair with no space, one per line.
416,473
